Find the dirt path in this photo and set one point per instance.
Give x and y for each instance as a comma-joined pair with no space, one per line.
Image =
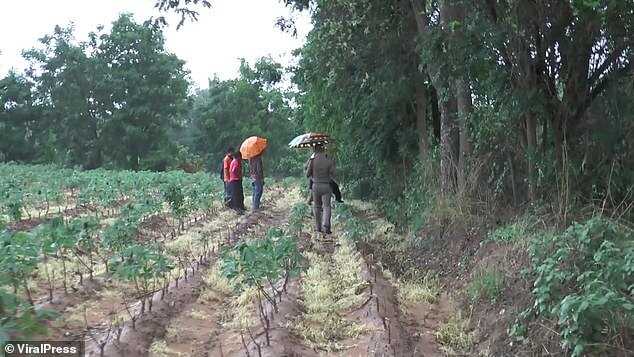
194,320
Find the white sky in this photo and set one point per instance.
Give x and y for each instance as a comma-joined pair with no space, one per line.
231,29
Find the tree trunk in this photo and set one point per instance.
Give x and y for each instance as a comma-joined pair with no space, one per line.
531,152
463,96
448,143
421,122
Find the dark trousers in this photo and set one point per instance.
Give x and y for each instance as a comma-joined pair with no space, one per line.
227,193
333,186
237,195
322,193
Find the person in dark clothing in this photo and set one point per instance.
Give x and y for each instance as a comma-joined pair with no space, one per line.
335,190
321,169
333,185
235,178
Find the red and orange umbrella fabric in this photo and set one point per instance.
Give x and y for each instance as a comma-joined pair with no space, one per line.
253,146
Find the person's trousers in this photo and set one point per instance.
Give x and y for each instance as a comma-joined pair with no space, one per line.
227,193
237,195
258,187
321,206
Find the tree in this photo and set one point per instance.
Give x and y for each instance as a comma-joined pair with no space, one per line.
18,116
108,101
230,111
143,89
64,78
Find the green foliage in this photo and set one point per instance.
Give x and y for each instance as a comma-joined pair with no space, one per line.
585,279
513,232
486,284
19,256
137,262
258,262
96,102
454,336
299,213
229,111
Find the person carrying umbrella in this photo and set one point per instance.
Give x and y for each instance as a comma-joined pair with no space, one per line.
256,171
252,149
310,140
322,171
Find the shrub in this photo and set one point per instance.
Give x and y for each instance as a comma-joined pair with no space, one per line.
426,290
585,279
513,232
486,284
454,335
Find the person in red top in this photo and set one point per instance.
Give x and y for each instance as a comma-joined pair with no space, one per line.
226,166
235,180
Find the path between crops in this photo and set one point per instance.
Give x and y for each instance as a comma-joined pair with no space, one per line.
136,341
188,321
198,327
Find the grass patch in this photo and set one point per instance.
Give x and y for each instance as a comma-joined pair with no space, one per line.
216,285
453,335
426,290
159,349
487,284
198,315
511,233
330,289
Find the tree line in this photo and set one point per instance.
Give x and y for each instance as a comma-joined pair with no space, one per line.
518,100
121,100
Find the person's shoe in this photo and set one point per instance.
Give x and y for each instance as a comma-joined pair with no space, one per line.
327,231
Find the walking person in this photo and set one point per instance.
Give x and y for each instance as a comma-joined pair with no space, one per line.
235,178
226,174
322,171
333,185
256,171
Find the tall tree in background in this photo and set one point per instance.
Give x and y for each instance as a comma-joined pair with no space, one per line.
64,86
142,91
18,118
109,101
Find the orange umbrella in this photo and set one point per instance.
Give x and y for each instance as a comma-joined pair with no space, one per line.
253,146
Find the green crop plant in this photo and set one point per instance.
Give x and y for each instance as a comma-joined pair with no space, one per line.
145,266
260,264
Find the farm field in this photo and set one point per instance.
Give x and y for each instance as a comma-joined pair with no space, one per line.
128,263
477,158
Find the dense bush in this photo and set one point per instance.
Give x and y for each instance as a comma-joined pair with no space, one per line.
585,279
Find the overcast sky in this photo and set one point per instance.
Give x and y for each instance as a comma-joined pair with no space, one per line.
229,30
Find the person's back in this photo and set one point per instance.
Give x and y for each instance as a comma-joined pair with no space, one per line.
323,168
235,172
322,171
226,167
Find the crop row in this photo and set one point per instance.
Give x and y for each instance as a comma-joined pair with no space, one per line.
78,248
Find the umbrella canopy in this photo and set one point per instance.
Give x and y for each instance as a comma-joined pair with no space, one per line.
309,140
253,146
